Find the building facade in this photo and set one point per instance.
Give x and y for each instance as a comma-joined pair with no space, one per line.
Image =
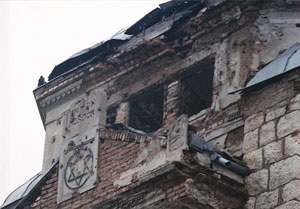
196,105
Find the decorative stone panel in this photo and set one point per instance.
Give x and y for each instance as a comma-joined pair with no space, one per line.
79,152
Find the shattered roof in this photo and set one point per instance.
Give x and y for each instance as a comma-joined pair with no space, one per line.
21,191
287,61
15,199
107,47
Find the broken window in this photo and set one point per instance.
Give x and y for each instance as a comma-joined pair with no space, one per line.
197,91
111,116
146,112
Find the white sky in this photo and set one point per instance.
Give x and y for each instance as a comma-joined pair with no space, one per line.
34,37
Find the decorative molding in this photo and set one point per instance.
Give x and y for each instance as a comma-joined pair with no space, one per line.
62,94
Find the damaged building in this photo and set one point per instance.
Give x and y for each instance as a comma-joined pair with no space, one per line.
196,105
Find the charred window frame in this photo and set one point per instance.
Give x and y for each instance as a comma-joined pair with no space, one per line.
146,111
197,90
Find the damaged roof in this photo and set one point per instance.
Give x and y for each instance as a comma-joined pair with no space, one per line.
21,191
15,199
107,47
287,61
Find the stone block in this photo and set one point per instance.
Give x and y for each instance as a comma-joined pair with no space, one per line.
267,133
294,106
253,122
267,200
203,159
284,171
254,159
292,145
123,113
288,124
291,191
257,182
276,113
272,152
295,103
290,205
250,141
177,140
251,203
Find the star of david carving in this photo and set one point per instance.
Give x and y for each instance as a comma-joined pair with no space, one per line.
78,168
78,179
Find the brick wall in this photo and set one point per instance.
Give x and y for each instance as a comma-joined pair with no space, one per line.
118,152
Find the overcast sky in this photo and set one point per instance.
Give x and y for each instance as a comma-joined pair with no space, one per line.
34,37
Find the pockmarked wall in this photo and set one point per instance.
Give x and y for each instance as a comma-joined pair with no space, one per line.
130,144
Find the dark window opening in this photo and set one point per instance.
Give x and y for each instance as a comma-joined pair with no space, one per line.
197,91
146,113
111,116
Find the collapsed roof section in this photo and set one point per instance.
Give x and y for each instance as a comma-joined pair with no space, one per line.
175,10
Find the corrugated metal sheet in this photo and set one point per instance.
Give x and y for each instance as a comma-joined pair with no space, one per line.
287,61
16,198
22,191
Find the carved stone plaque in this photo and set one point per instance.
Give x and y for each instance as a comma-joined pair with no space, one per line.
79,154
77,167
85,113
177,139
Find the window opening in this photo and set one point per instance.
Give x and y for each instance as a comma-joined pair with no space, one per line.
197,91
146,112
111,116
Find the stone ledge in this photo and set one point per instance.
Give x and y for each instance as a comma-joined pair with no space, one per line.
125,136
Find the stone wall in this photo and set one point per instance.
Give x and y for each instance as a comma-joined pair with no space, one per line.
271,144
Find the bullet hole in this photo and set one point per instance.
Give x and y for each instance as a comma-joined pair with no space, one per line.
53,139
298,25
